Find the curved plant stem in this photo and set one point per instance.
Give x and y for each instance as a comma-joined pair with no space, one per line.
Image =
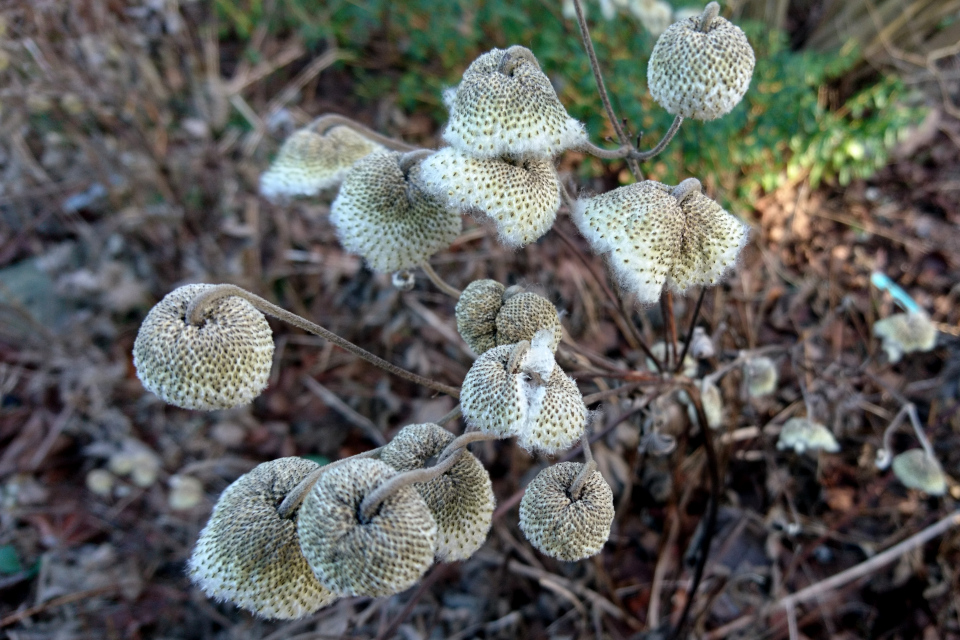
410,158
602,89
628,151
693,324
435,278
686,188
710,524
455,413
589,467
711,11
885,455
294,499
463,440
326,122
375,498
197,308
664,141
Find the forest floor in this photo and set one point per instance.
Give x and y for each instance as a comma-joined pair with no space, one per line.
130,154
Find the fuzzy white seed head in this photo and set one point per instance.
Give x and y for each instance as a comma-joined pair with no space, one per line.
309,162
905,333
916,470
803,434
521,197
506,105
761,377
387,217
700,75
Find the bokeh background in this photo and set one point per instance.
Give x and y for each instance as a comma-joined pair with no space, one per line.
132,136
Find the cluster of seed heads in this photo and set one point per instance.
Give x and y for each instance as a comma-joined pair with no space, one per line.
490,315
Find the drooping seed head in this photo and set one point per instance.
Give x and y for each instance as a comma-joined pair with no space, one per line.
506,105
247,554
650,238
916,470
387,217
697,74
905,333
461,500
309,162
559,526
518,390
761,376
476,313
803,434
379,557
222,363
523,315
521,197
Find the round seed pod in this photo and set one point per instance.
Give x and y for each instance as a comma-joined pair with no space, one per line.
651,238
559,526
309,162
700,75
247,554
222,363
521,197
803,434
387,217
522,315
761,376
518,390
379,557
916,470
476,314
905,333
506,105
461,500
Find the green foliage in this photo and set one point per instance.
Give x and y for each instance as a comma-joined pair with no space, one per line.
781,130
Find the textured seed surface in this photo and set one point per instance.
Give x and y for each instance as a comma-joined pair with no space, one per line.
522,197
476,314
523,315
383,556
917,471
538,403
559,526
461,500
388,218
509,107
905,333
802,434
309,162
222,363
650,239
248,555
700,75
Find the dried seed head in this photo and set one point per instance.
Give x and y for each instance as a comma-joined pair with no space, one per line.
461,500
916,470
905,333
523,315
249,555
654,15
701,345
651,239
700,75
309,162
387,217
506,105
222,363
712,401
518,390
802,434
761,376
560,526
379,557
521,197
477,311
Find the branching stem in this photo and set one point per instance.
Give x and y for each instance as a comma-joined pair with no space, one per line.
628,151
295,498
197,309
326,122
375,498
463,440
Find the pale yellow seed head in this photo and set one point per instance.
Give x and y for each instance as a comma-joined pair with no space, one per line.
250,556
559,526
905,333
476,313
523,315
803,434
916,470
224,362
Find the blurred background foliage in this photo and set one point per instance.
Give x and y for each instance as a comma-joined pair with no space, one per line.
810,112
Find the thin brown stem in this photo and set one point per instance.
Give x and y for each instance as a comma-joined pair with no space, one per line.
711,11
628,151
669,329
375,498
664,141
463,440
585,472
601,395
440,283
198,306
326,122
454,413
693,324
602,89
295,498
